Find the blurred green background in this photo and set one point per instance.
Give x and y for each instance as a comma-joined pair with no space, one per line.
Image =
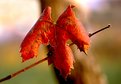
18,16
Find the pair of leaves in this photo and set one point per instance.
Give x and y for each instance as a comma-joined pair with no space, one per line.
56,36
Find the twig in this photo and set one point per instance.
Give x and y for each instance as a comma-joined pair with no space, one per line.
23,70
42,60
91,34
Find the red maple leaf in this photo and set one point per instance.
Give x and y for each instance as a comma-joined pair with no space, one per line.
56,36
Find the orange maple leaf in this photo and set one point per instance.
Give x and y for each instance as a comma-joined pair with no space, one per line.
56,36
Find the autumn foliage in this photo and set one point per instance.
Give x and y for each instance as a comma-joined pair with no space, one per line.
55,36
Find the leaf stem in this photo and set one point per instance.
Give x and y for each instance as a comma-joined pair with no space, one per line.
91,34
23,70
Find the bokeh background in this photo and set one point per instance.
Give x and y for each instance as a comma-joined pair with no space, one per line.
18,16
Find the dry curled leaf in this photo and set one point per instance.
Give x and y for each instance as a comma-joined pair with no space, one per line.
56,36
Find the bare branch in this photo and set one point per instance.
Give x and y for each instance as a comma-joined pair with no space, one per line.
91,34
23,70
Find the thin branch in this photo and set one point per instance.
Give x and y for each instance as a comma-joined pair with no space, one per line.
91,34
40,61
23,70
